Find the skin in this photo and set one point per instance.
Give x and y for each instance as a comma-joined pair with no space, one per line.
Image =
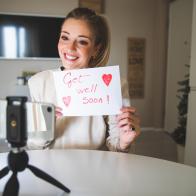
76,46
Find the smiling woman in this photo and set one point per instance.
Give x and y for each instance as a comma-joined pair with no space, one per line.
76,44
84,42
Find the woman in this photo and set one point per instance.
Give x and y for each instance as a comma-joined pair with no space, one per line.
85,42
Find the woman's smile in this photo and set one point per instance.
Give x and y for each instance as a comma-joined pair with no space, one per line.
70,57
76,44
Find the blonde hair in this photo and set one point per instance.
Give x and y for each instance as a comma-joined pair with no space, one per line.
99,26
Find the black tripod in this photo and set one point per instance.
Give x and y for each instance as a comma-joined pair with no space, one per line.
18,158
18,162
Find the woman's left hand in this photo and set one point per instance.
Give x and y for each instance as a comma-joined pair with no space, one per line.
129,124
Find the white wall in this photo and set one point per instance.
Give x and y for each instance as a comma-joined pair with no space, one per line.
127,18
179,45
36,7
141,19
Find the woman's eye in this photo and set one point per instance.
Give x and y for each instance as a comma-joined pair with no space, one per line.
63,37
83,42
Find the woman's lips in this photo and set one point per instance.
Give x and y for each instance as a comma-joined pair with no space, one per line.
70,57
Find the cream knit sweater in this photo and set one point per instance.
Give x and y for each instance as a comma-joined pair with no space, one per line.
84,132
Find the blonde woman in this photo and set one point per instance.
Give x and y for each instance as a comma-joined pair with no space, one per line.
85,42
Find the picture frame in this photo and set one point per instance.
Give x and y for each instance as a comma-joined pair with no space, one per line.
136,67
96,5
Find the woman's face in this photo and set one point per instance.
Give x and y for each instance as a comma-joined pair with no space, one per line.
76,44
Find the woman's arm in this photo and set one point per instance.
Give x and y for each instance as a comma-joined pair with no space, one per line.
124,127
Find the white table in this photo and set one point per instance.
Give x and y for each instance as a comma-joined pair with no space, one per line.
99,173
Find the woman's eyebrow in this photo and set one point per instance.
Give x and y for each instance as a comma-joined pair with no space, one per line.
65,32
81,36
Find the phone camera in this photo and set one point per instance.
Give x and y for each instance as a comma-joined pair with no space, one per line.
49,109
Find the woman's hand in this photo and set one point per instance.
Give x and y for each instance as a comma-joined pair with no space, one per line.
129,124
58,112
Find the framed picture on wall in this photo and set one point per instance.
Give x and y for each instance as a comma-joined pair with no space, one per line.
96,5
136,67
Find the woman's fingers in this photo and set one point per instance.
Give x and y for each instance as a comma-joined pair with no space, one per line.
128,109
58,112
128,117
129,124
58,108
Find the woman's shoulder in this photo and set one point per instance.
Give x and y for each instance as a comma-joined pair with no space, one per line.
41,76
38,84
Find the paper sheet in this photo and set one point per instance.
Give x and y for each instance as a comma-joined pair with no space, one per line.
91,91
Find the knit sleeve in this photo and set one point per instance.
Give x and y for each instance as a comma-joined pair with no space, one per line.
36,87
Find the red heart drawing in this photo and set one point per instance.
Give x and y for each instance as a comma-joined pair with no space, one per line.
67,100
107,78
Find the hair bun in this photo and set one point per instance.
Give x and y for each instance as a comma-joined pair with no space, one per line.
81,11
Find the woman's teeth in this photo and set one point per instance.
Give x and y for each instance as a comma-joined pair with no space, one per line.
70,57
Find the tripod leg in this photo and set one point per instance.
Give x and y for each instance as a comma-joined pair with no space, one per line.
41,174
4,172
12,186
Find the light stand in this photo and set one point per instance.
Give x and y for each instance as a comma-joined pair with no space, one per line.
18,158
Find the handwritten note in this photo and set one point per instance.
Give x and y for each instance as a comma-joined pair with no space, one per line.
92,91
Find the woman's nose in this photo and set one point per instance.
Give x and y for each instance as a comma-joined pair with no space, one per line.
71,46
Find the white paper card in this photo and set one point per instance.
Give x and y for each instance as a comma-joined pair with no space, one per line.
91,91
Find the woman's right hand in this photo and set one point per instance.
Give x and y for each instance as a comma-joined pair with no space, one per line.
58,112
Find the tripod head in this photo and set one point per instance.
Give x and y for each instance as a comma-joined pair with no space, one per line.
16,134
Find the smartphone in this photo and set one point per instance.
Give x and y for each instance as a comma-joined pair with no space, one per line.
40,120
